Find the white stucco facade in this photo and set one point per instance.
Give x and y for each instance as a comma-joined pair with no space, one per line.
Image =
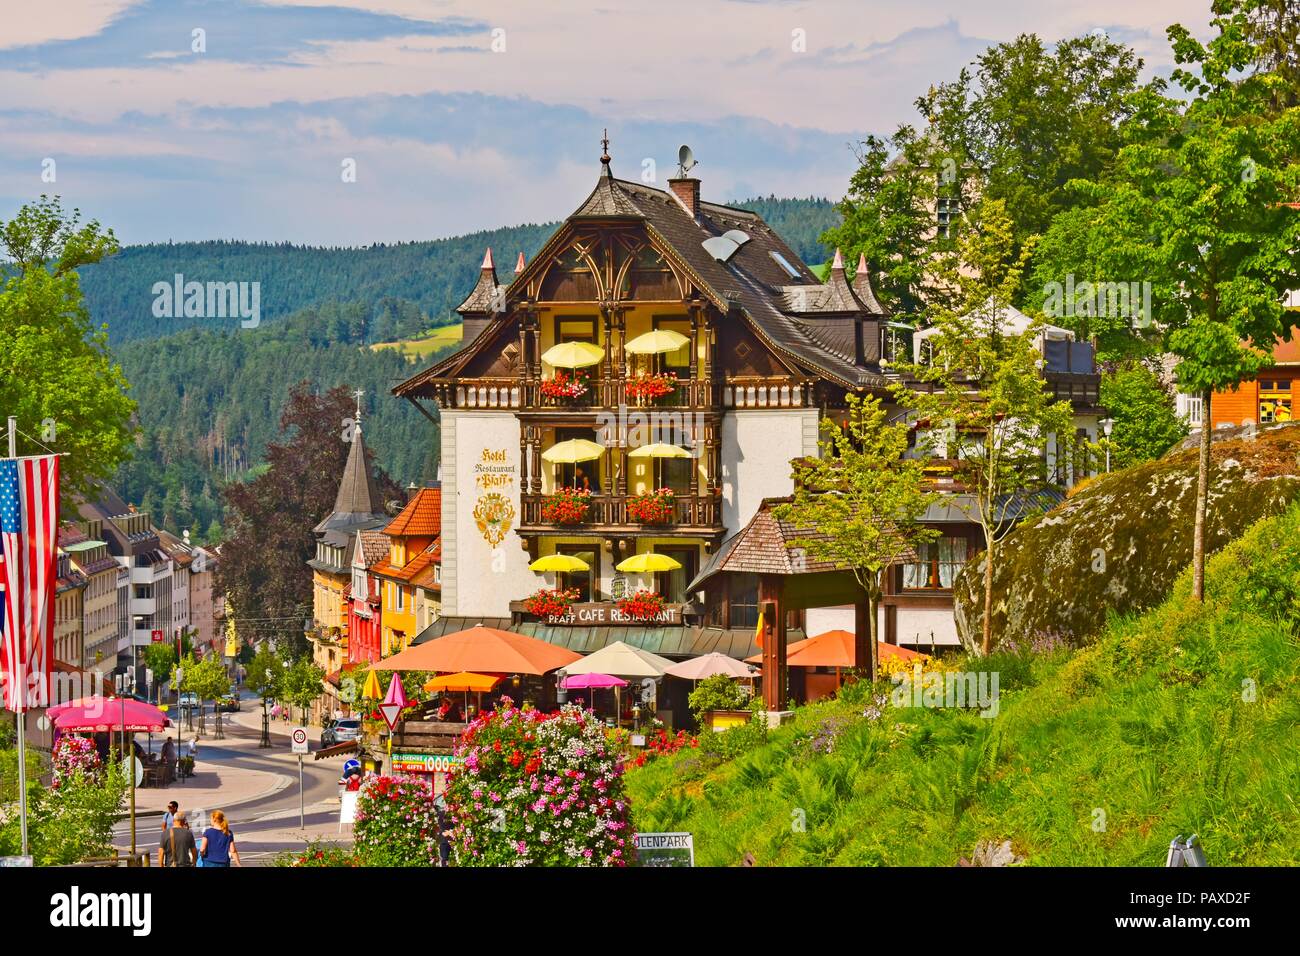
484,566
757,447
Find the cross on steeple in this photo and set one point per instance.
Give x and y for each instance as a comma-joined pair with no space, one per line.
358,393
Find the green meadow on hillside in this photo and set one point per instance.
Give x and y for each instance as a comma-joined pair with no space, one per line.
1183,720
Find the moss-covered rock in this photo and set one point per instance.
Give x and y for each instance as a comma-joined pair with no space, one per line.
1117,544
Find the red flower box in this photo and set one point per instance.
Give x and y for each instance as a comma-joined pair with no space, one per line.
551,602
573,384
650,387
655,507
643,605
566,506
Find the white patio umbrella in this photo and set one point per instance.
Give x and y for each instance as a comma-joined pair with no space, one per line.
620,660
709,665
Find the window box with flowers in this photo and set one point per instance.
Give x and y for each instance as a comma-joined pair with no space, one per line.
652,507
551,602
642,606
649,387
566,506
570,388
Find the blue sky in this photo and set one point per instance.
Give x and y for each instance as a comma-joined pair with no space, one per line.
462,116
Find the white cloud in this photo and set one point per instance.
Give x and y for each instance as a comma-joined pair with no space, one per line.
33,23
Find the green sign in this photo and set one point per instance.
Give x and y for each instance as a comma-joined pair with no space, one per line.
425,763
665,849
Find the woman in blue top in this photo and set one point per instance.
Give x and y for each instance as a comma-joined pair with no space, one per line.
218,844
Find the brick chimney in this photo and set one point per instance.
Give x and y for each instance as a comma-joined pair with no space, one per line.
687,191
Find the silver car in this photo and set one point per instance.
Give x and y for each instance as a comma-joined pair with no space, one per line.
341,732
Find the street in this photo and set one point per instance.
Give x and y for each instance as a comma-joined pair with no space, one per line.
256,788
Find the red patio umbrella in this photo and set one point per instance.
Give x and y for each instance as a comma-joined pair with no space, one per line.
98,714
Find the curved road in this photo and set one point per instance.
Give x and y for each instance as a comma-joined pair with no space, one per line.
265,823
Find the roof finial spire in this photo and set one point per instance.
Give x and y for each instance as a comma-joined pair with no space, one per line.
604,144
837,264
358,393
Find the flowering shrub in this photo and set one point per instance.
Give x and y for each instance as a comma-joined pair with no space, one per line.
661,742
573,384
566,506
317,854
648,386
395,823
643,605
539,790
75,756
652,507
551,602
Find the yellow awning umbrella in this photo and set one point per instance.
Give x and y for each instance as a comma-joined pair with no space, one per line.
372,690
572,451
659,450
559,562
656,342
648,562
573,355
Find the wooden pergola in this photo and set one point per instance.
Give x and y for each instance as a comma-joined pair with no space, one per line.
788,580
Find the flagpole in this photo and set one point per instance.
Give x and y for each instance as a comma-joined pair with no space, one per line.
19,694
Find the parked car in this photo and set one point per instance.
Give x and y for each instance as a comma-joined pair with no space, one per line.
341,732
188,700
228,703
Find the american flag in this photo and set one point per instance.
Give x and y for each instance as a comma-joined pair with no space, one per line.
29,521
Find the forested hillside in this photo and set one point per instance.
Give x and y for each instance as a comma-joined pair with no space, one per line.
211,400
422,282
210,392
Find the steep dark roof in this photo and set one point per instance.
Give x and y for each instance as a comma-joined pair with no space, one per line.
358,501
479,300
752,283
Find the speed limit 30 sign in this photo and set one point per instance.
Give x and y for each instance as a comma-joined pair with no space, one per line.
299,738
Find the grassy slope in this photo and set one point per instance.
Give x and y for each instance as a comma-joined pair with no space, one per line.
1147,725
428,345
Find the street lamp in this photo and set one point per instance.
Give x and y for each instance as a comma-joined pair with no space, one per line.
1106,425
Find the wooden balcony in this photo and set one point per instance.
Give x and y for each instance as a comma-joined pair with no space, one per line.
693,515
609,393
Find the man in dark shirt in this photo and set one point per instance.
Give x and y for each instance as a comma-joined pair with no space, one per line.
177,845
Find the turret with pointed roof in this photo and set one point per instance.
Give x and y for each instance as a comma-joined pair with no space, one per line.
358,502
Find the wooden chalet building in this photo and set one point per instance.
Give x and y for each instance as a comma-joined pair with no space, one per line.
769,351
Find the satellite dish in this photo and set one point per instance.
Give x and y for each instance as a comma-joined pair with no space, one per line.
720,248
685,161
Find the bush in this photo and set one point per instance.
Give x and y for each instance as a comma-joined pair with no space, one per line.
317,854
74,821
718,692
540,790
396,824
731,743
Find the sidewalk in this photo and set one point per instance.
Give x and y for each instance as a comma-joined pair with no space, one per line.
213,785
250,718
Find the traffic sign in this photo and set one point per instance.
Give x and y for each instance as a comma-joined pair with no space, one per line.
156,637
299,738
389,712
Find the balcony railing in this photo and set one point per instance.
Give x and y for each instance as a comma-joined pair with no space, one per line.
514,393
606,512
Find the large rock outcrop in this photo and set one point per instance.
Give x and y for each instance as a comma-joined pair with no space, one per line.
1118,544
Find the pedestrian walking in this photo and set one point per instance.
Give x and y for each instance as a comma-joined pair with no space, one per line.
176,848
170,815
217,847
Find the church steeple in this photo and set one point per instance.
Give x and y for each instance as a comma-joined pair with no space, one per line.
358,500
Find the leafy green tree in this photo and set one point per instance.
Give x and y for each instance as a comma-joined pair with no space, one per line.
865,500
1146,424
264,672
979,398
207,679
161,659
56,374
302,683
1198,206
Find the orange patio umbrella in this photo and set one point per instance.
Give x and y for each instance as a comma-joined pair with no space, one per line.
833,649
481,650
464,681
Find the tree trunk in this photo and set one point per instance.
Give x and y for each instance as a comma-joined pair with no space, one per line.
987,644
1202,502
873,602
